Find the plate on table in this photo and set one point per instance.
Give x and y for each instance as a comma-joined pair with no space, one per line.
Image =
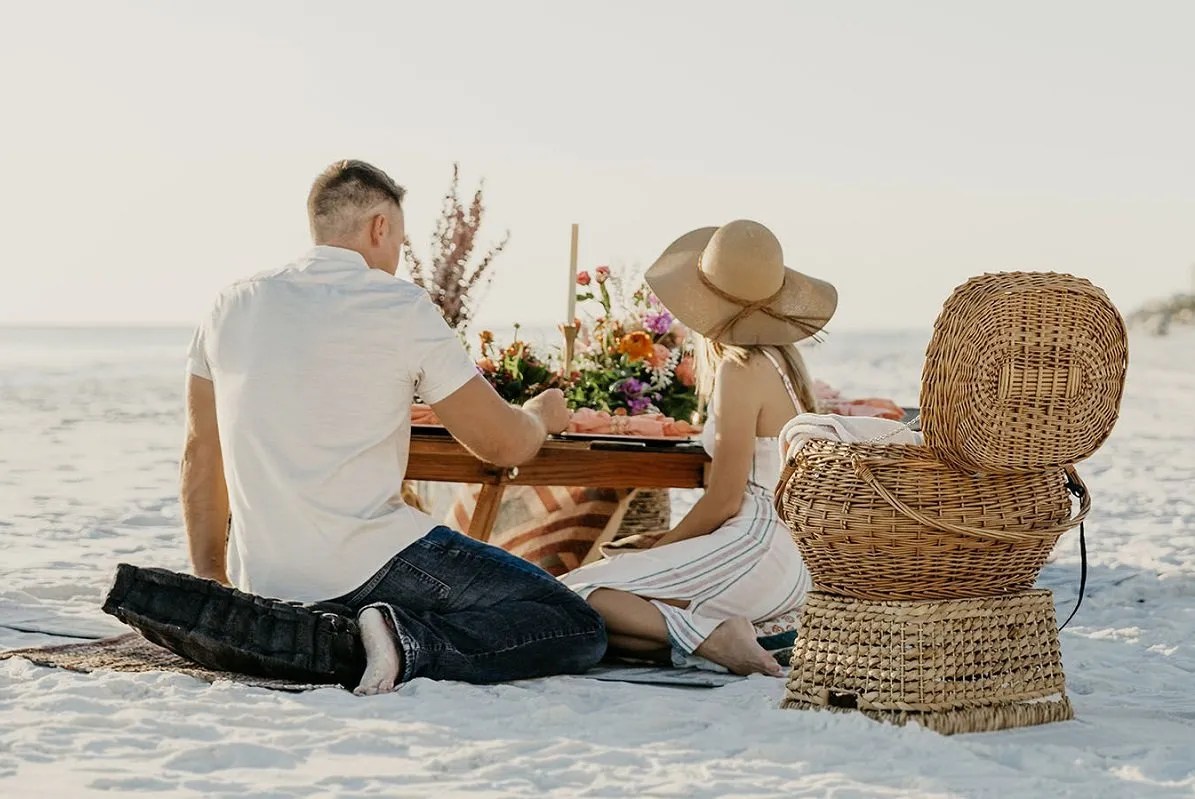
644,441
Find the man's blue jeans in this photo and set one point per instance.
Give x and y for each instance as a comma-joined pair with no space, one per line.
468,611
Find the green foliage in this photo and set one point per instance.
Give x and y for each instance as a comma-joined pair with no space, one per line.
515,371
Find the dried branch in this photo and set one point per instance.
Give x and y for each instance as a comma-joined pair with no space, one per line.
450,279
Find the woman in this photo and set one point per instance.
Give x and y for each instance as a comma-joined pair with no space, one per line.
730,561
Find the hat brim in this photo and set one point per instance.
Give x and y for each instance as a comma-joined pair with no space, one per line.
674,280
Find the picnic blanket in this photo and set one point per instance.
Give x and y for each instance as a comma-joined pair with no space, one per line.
130,653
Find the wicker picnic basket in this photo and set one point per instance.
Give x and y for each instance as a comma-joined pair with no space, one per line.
649,511
1025,371
955,666
891,522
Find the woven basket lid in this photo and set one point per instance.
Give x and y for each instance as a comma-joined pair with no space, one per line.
1025,371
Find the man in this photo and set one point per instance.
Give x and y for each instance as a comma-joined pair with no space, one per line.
298,424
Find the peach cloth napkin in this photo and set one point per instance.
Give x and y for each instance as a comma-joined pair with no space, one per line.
833,402
587,420
423,414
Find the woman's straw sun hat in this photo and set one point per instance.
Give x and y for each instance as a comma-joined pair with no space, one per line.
730,285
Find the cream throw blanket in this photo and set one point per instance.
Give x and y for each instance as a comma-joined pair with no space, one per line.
847,429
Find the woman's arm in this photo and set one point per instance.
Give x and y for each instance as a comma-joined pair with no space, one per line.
736,414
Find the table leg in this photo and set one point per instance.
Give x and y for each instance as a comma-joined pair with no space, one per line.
611,528
486,511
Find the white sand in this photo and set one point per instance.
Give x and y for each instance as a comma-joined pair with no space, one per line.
89,429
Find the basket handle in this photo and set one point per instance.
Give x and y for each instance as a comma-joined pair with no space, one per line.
790,466
863,469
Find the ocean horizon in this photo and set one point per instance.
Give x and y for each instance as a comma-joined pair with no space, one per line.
51,352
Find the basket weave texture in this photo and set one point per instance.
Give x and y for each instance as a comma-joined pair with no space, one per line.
1025,371
876,521
649,511
955,666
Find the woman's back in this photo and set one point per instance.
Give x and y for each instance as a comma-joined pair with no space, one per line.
766,378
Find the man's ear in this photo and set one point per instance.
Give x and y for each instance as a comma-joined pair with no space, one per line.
377,229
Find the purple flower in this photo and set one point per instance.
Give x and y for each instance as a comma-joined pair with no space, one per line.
632,387
658,322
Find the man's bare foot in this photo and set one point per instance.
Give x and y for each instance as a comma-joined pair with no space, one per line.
382,660
732,644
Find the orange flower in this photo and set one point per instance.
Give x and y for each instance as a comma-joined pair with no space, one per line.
636,346
684,371
487,366
486,337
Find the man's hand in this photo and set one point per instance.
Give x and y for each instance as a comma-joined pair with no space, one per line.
221,578
495,431
551,409
212,571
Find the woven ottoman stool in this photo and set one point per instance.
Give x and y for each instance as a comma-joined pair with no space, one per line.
952,666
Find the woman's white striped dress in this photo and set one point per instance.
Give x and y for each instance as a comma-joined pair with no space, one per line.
747,567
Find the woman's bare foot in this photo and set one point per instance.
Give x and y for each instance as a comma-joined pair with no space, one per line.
732,644
382,660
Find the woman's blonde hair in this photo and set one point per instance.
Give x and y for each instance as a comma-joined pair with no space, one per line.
708,354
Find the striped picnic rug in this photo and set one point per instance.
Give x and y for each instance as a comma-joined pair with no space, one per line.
553,527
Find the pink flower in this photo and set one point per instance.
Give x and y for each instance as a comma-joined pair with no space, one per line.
582,278
602,273
684,371
659,356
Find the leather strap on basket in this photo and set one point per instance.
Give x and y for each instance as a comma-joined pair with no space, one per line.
863,470
1076,487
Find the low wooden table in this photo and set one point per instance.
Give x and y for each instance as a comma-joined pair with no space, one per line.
437,457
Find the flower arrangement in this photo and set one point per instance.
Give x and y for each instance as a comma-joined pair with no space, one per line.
631,372
633,363
516,372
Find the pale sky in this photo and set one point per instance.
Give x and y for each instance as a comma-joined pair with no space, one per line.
155,151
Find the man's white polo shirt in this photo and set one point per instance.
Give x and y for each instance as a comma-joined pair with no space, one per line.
315,367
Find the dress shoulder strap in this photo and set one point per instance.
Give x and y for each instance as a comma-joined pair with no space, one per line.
788,384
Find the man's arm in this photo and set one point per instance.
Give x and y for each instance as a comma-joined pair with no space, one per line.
202,490
495,431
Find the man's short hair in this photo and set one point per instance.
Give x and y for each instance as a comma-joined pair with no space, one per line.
343,194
